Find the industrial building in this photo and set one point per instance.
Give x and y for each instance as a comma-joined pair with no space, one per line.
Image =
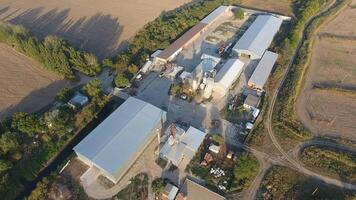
262,71
258,36
113,146
192,34
227,75
181,145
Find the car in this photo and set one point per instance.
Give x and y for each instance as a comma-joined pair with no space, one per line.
161,74
138,77
183,96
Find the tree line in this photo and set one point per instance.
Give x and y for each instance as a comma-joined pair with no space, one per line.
29,141
53,52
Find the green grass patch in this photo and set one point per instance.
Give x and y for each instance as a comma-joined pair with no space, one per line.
332,162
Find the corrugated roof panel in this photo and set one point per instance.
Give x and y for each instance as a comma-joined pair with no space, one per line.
121,136
259,35
229,73
181,41
215,14
263,69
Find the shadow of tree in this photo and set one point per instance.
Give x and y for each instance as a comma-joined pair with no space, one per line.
37,100
98,34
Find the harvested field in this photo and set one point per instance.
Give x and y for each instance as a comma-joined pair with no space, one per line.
280,6
327,103
344,24
101,27
25,85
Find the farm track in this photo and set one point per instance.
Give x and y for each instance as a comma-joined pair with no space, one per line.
271,134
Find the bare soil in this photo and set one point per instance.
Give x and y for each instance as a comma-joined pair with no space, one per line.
280,6
333,61
101,27
24,84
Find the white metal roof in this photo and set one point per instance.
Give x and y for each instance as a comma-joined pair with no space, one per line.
259,35
229,73
263,69
186,145
121,136
207,64
215,14
146,66
78,98
156,53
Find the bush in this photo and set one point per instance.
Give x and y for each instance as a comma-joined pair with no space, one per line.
158,185
65,95
239,13
121,81
246,169
175,90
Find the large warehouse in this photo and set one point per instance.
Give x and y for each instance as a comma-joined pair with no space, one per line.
192,34
227,75
119,140
262,71
258,36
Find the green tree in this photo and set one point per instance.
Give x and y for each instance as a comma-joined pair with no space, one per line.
245,170
175,90
4,166
157,185
9,142
41,190
239,13
61,120
27,123
65,95
133,69
93,88
121,81
108,63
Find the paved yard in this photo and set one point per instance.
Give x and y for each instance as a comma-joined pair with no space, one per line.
154,90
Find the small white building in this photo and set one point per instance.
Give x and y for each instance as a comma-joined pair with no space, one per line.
214,148
146,66
251,102
262,71
78,99
182,146
170,192
258,36
227,75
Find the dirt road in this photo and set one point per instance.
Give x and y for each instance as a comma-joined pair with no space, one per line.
294,162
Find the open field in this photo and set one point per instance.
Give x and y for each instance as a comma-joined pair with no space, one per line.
280,6
25,85
331,109
100,27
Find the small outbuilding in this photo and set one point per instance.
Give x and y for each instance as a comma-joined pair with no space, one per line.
170,192
251,102
78,99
